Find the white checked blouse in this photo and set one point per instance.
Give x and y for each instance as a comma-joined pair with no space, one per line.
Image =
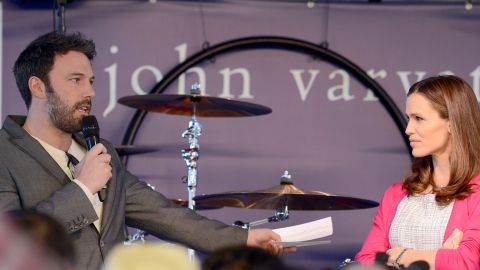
419,223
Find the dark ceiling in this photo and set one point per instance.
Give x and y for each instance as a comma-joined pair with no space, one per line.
403,2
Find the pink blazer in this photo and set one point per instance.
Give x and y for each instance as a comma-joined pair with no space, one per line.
465,216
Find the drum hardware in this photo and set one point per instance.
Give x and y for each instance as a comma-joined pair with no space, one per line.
281,198
191,155
205,106
193,105
286,193
347,262
139,235
198,207
280,215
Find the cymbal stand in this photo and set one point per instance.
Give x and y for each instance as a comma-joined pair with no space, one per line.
191,154
280,215
59,7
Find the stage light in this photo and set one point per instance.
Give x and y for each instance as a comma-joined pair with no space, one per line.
311,3
468,5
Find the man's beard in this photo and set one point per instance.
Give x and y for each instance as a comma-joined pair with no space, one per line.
62,115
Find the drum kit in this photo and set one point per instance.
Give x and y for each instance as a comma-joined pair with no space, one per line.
281,198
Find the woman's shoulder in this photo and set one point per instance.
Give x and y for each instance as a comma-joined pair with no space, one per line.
391,197
475,186
395,191
396,188
475,181
473,199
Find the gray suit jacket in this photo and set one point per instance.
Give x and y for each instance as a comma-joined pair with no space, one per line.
31,179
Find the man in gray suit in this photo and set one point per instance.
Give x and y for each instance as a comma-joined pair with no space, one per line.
55,77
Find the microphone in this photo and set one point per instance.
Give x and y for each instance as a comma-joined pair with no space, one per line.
91,132
418,265
381,258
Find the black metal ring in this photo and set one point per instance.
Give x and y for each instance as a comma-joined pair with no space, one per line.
272,42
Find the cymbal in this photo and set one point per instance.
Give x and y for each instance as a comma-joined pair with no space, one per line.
184,203
285,194
183,105
127,150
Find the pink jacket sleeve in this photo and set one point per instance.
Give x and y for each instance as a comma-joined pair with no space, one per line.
377,239
467,256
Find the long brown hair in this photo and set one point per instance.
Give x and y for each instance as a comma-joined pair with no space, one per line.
455,101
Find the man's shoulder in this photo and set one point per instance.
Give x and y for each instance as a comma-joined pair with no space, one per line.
8,131
12,126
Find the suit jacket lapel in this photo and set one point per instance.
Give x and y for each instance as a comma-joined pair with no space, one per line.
30,146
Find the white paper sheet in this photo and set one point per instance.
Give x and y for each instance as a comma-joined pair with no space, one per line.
305,243
303,234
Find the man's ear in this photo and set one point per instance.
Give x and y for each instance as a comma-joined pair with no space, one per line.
37,87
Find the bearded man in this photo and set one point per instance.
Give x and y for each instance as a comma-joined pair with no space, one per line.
39,166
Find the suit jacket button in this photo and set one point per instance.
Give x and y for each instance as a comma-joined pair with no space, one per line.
85,221
102,244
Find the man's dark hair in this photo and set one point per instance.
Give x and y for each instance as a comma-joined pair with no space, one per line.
38,58
45,231
243,258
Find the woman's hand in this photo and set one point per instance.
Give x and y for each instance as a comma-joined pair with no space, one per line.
393,255
453,241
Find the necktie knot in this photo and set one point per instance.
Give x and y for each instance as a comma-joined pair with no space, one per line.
71,159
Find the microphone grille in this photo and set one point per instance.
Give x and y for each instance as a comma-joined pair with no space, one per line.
90,126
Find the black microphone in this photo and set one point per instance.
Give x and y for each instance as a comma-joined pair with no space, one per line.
419,265
91,132
381,258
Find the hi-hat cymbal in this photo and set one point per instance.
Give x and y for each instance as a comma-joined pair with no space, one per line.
285,194
184,203
128,150
183,105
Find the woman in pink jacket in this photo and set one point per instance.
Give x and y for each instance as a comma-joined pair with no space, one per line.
434,214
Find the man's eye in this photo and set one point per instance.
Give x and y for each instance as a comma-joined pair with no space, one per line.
75,80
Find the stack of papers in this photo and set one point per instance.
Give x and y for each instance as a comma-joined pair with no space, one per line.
306,234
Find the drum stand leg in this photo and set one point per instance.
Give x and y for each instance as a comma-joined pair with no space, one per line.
191,154
138,236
